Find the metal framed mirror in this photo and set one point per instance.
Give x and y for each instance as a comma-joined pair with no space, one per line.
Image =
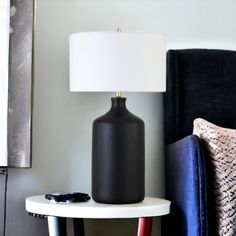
16,72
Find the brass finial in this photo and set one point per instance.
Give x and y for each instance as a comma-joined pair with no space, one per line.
118,30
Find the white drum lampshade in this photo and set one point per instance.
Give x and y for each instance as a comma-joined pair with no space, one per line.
117,61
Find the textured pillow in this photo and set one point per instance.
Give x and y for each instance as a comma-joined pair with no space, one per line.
221,145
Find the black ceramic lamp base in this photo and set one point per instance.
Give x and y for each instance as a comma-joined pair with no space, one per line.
118,163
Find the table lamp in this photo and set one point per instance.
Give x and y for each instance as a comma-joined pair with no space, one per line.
118,62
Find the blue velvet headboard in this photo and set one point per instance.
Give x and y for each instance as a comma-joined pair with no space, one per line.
200,83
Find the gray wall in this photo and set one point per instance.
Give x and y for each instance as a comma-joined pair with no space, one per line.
62,120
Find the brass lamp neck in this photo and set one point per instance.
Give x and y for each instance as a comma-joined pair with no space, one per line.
118,94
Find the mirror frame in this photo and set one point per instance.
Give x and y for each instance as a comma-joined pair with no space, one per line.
20,83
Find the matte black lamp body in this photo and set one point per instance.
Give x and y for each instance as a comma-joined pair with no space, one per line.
118,162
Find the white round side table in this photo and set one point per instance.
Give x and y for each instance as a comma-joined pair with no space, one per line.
56,212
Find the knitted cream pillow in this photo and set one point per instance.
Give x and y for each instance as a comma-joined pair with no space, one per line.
221,145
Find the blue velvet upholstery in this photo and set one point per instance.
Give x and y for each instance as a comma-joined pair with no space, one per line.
185,166
200,83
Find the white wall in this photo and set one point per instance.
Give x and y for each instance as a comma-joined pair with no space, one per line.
62,120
